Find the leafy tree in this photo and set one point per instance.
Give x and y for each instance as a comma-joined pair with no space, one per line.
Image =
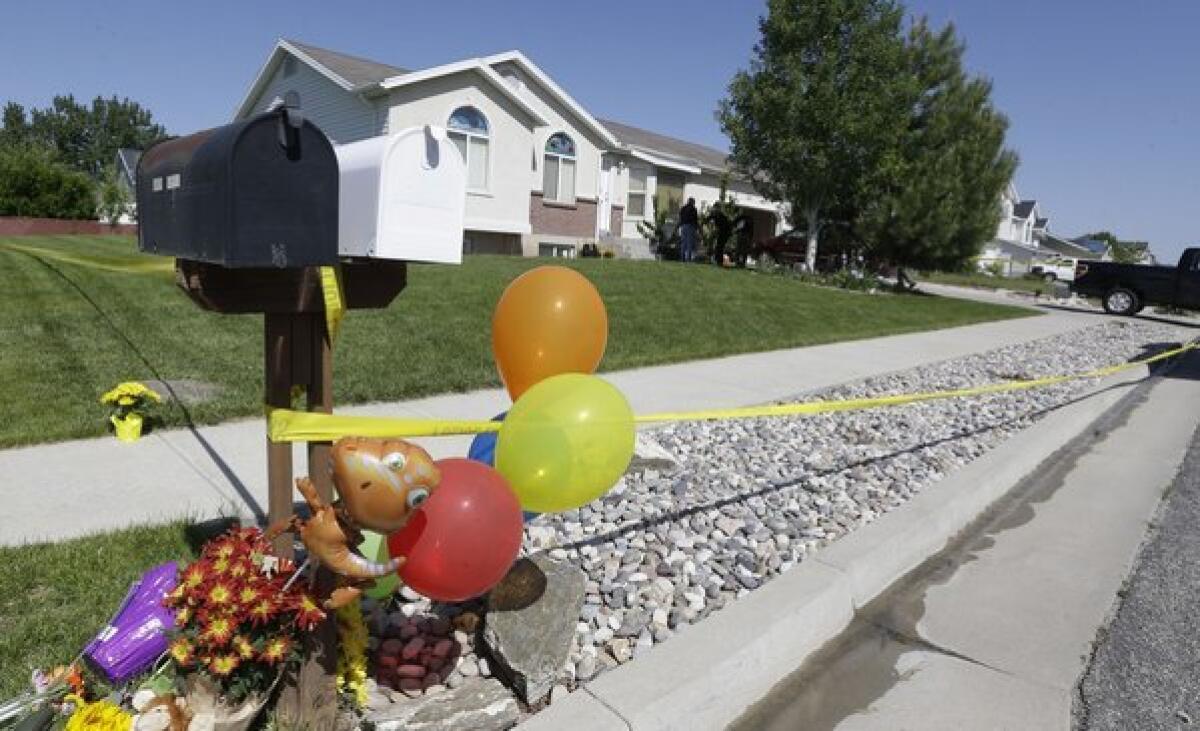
661,233
87,138
113,199
33,183
15,128
815,120
939,203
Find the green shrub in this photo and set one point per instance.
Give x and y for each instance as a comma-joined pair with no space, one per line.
33,184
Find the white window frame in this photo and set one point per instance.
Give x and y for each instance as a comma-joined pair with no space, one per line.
644,192
467,136
560,157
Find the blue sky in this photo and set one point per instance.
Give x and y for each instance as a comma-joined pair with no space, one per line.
1103,96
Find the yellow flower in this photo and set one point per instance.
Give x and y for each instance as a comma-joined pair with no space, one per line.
352,656
98,716
129,393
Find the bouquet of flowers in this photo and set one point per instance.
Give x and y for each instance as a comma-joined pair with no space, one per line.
129,401
240,614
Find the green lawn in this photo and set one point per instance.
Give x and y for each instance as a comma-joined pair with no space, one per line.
79,314
54,597
984,281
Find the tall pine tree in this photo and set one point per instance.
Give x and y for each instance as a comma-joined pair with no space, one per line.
818,116
940,201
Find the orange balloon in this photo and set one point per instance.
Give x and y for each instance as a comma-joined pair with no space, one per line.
549,321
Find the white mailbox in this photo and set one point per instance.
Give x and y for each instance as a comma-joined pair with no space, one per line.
402,196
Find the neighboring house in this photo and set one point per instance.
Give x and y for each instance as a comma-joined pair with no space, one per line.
1056,245
1017,246
544,176
1102,251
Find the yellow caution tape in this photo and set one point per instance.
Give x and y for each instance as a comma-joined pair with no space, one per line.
142,265
285,425
335,303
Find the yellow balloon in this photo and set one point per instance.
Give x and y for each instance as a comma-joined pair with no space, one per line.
374,547
565,442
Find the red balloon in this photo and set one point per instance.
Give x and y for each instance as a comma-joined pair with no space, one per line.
464,538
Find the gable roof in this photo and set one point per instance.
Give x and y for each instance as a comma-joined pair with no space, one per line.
670,148
1063,246
555,90
355,71
471,64
1041,222
1024,208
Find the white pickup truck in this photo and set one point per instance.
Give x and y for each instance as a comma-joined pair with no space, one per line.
1059,268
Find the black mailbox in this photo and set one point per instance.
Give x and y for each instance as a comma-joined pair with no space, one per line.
262,192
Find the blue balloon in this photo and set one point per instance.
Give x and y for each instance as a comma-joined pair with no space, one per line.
483,449
483,446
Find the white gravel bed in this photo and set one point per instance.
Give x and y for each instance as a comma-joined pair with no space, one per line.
751,498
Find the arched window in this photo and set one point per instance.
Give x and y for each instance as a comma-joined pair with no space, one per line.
468,129
558,172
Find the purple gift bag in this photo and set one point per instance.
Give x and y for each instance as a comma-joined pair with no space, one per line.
136,635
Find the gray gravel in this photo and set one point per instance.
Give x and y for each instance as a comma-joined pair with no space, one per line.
752,498
1145,673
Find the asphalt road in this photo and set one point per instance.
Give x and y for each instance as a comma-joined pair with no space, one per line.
1145,671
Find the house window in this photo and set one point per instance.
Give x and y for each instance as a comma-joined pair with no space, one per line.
637,192
468,130
558,173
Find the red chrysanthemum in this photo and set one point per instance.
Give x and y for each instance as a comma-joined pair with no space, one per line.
243,647
183,615
217,630
248,596
276,649
219,594
182,651
224,664
263,610
194,576
308,613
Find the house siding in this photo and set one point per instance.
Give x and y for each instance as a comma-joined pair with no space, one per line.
504,207
559,119
342,116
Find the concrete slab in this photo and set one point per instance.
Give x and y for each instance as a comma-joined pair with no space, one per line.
703,677
1061,562
953,695
579,711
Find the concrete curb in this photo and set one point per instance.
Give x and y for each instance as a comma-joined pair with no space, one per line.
712,672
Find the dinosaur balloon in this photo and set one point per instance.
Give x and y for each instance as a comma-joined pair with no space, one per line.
380,482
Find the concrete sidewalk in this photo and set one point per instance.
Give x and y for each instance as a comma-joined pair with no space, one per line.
994,633
74,488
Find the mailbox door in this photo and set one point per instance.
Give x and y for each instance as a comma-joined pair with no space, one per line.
422,196
284,203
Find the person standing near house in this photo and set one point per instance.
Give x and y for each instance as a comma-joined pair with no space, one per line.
689,228
723,229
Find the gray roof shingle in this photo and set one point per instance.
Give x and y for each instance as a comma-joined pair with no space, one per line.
1023,209
356,71
669,147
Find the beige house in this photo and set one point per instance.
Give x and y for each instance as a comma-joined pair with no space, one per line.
544,175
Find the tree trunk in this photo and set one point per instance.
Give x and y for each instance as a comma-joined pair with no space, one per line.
810,254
